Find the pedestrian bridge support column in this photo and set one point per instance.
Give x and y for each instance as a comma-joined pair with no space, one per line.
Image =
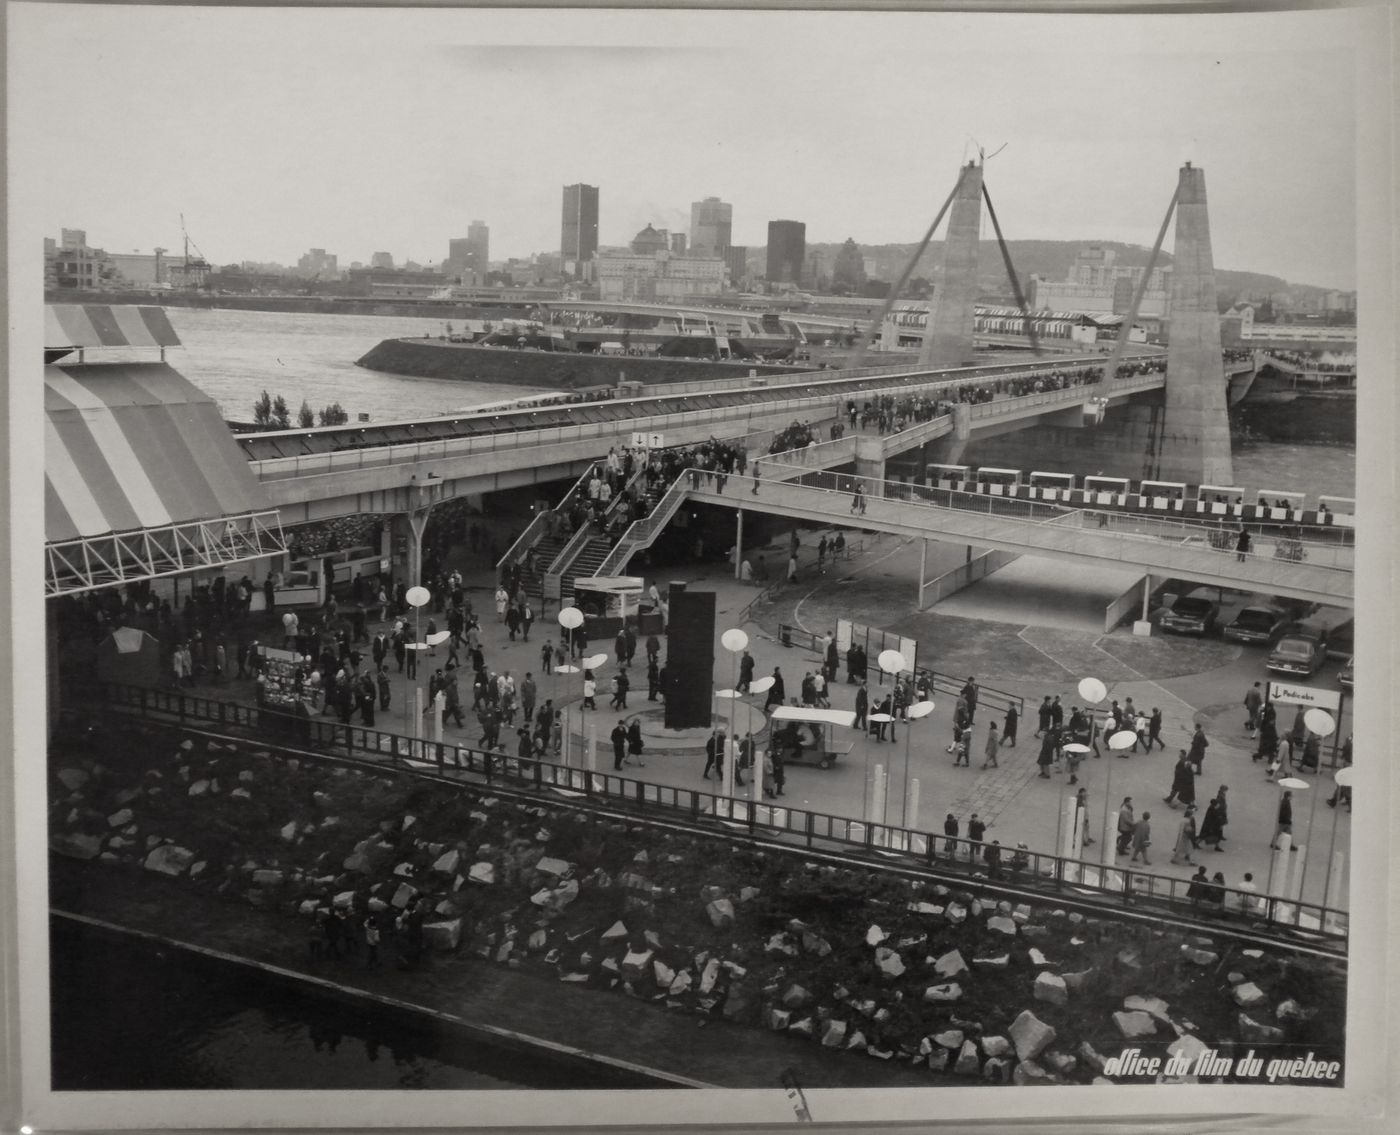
948,334
948,449
870,457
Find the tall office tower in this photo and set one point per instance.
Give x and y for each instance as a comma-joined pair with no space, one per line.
579,238
787,247
381,260
479,245
711,226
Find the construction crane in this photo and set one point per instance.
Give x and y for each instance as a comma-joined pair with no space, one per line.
198,265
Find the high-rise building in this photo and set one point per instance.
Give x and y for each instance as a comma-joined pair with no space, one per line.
479,245
736,259
711,225
318,262
849,269
579,237
678,243
73,238
787,247
381,260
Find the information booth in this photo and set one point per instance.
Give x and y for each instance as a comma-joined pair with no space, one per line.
610,602
804,734
998,482
1106,490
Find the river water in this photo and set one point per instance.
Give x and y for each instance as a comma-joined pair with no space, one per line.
129,1016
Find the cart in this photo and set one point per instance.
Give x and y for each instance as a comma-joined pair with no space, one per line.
806,735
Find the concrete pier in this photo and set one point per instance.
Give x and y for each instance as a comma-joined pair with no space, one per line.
948,338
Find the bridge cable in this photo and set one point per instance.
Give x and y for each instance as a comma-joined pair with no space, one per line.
853,363
1110,370
1011,273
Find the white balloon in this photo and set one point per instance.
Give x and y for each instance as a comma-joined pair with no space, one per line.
761,685
1092,690
1319,721
734,640
439,638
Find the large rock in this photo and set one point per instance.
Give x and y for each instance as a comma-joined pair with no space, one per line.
1250,1029
1135,1025
1091,1056
709,976
120,818
199,788
815,944
1078,982
1154,1005
1050,987
1198,956
664,974
268,877
1001,961
997,1070
1001,924
444,935
76,845
955,913
1060,1062
169,860
289,831
552,866
1030,1035
1030,1074
778,1019
1247,994
72,778
635,964
950,964
968,1064
889,962
403,896
949,991
938,1059
617,932
681,983
833,1034
804,1027
483,872
795,997
358,862
874,936
1039,959
721,912
779,943
448,862
948,1038
1290,1010
996,1045
1187,1046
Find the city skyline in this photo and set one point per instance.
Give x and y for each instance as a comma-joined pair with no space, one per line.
1222,94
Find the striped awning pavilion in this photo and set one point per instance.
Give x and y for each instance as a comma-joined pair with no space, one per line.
74,326
142,479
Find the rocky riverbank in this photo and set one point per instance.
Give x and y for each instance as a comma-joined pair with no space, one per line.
942,983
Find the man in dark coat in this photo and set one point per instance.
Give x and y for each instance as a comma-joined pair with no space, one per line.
777,693
619,743
1008,731
862,706
1043,716
1198,748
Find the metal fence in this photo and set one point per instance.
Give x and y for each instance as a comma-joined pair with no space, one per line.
378,749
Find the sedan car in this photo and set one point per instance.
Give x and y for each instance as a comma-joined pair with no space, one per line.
1257,624
1348,674
1300,653
1191,614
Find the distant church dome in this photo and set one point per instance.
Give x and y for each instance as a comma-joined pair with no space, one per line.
649,241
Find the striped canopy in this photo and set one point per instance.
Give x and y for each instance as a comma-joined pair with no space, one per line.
102,325
133,446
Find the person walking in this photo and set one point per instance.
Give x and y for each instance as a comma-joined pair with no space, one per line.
382,681
1081,806
1008,729
1142,839
1242,545
993,744
621,684
1253,702
1126,821
528,693
777,692
960,723
746,665
714,755
590,690
1183,783
1185,837
634,740
1047,752
1154,730
619,743
1199,744
862,707
976,830
969,695
1043,716
653,678
1212,825
371,925
1285,821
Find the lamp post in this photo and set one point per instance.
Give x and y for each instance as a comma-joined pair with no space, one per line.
893,662
1093,691
1319,722
917,711
570,619
735,641
1120,741
417,597
1342,777
1280,856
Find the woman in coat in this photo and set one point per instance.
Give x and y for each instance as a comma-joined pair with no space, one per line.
1185,837
634,740
1212,825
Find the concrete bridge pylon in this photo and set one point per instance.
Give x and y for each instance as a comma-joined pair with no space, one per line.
948,336
1195,439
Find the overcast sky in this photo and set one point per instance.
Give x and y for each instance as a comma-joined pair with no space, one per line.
273,131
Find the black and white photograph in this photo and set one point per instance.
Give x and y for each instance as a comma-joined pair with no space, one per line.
649,567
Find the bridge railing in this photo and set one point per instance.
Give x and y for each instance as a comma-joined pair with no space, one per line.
339,461
1171,547
375,749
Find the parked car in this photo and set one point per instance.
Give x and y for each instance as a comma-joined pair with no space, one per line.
1257,624
1191,614
1348,674
1300,652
